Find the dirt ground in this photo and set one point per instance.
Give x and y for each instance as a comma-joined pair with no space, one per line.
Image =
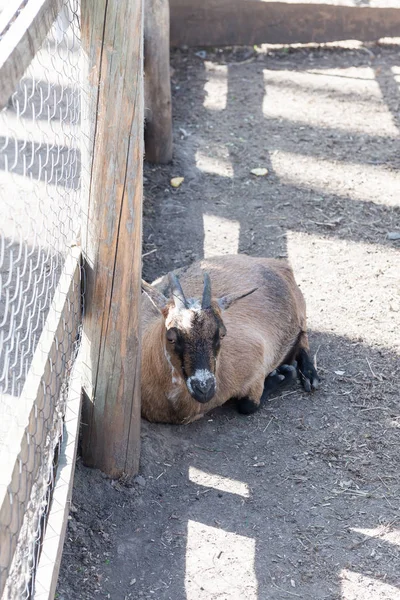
300,500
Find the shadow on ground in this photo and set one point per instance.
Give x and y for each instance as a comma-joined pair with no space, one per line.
313,470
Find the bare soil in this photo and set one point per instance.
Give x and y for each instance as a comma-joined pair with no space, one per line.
300,500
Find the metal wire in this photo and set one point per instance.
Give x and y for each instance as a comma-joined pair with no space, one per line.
39,227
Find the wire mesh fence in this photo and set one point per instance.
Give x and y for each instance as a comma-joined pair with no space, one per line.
40,298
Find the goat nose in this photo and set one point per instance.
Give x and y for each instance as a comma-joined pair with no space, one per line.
205,385
203,388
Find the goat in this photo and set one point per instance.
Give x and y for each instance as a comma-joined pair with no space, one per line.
241,340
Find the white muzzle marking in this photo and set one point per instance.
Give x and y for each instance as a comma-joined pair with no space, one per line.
202,377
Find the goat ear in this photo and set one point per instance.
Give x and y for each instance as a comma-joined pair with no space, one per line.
157,298
226,301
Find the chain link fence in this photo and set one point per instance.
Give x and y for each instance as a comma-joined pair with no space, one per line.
40,289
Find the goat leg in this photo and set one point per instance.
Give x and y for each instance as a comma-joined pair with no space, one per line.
306,371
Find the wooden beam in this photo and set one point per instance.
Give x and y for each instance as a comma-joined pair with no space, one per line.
158,113
8,14
27,434
52,545
112,42
248,22
22,40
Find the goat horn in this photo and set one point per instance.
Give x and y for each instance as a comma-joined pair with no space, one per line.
177,292
206,300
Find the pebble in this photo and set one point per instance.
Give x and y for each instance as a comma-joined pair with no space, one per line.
140,481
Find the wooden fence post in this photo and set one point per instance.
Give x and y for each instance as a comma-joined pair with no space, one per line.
112,157
158,113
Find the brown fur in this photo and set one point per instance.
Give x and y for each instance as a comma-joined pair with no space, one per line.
262,329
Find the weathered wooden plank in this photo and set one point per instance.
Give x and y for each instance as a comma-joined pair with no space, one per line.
248,22
24,444
112,39
52,546
158,113
22,40
8,14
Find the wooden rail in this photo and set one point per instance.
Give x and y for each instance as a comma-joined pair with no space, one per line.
248,22
52,545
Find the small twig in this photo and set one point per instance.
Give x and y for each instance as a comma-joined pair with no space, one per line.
387,500
367,50
151,252
302,543
284,394
378,377
365,408
283,481
331,225
268,424
283,590
207,449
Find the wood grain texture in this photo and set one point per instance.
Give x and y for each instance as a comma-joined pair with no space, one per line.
22,40
112,38
158,113
247,22
27,437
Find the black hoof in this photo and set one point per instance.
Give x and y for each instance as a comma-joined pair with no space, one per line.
280,378
307,373
289,372
246,406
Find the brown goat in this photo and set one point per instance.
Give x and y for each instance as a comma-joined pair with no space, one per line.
240,341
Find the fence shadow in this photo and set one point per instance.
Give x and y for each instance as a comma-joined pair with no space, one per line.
309,483
304,456
265,209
